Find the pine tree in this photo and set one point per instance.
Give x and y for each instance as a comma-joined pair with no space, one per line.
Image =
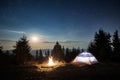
22,51
1,49
91,47
37,57
57,52
116,47
67,55
48,52
40,56
1,56
78,50
100,47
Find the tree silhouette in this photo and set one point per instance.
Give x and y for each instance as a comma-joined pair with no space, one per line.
57,52
5,57
40,56
37,57
78,50
67,55
1,49
70,55
116,47
22,51
2,56
100,47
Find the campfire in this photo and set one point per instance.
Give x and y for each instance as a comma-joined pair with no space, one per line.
50,62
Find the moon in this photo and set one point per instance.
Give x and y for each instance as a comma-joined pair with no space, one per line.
34,38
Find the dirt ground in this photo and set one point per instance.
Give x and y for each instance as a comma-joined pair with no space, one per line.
66,72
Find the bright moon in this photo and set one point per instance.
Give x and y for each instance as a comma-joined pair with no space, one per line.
34,39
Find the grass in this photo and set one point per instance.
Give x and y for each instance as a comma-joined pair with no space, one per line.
87,72
65,72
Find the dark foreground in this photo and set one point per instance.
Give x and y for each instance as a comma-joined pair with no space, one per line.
67,72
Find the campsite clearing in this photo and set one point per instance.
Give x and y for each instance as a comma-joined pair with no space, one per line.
68,72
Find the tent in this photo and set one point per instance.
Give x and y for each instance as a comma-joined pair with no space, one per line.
85,57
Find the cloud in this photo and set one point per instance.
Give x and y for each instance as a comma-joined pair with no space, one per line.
13,31
6,40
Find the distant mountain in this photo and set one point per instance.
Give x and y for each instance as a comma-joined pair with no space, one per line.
7,44
3,40
63,41
73,41
48,42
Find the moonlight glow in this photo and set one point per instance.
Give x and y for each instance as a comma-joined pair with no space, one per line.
34,38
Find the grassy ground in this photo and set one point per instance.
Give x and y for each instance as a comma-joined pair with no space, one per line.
66,72
94,72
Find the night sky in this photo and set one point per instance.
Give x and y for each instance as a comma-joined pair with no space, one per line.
58,20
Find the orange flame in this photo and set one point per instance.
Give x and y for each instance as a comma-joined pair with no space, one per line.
50,62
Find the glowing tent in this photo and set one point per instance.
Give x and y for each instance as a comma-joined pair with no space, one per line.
85,57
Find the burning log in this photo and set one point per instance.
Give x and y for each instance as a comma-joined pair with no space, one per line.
47,66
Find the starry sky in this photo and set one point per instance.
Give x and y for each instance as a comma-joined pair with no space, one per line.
58,20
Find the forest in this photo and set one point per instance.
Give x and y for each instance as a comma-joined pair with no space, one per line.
105,47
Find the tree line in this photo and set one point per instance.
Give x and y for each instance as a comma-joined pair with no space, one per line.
68,55
21,54
105,47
